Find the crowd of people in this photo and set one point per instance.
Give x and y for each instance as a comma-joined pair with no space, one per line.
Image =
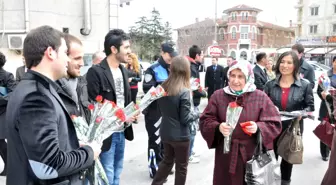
38,141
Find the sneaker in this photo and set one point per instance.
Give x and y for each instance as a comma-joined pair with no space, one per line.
193,159
194,154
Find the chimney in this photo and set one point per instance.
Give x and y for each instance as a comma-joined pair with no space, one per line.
290,23
196,19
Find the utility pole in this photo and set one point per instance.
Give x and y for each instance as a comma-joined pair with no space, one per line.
215,38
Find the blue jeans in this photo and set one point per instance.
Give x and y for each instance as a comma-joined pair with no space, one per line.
192,139
113,159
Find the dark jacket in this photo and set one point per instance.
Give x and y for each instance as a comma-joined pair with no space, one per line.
155,75
323,112
100,82
6,82
20,71
307,72
176,117
194,72
260,77
214,80
300,97
136,77
83,98
42,140
226,78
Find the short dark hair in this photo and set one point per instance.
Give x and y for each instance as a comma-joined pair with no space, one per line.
37,41
296,63
2,60
193,51
260,56
215,58
298,47
71,39
334,59
114,38
156,57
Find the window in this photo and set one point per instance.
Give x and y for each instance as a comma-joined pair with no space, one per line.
221,34
234,16
253,33
334,8
244,16
244,32
334,28
314,11
233,33
313,29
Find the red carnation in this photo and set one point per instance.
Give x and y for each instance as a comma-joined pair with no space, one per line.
113,104
91,107
198,80
233,105
136,106
99,119
99,98
200,89
73,117
153,93
120,115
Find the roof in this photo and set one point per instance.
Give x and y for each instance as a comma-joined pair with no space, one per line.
273,26
242,7
205,23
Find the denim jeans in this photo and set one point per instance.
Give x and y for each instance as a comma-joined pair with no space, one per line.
192,139
113,159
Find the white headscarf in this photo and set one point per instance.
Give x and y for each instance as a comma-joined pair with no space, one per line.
247,69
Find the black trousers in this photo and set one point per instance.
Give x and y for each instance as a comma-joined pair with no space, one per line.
155,147
134,93
324,149
3,154
175,152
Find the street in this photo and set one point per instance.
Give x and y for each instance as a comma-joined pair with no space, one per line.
135,170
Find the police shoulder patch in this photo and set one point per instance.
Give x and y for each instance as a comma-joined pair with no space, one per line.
148,78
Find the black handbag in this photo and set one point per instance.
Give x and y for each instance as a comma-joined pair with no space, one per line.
263,168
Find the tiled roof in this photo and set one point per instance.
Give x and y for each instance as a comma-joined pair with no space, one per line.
242,7
272,26
205,23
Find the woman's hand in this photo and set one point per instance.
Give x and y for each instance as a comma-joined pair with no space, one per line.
324,94
225,129
252,128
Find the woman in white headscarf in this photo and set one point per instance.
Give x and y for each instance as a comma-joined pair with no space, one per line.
258,110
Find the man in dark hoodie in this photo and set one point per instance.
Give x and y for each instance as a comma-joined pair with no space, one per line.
306,70
195,58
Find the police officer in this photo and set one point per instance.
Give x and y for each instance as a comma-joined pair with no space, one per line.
156,74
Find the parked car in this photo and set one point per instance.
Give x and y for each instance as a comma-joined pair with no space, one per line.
319,69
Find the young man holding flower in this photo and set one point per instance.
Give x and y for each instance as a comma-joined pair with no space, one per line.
109,79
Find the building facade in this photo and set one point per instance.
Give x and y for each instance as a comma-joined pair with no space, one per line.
316,28
239,33
88,20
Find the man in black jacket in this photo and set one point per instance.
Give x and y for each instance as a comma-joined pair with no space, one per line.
109,79
229,61
259,70
157,73
73,89
306,70
42,140
214,77
195,58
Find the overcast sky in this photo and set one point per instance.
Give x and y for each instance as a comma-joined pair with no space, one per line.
183,12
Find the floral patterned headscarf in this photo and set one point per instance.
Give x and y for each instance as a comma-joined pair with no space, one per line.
247,69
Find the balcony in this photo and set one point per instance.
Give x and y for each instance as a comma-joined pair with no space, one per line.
244,41
299,4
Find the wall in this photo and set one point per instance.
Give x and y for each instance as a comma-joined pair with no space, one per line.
58,14
324,20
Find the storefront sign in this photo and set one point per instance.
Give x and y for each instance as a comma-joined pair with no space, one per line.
311,41
331,39
215,51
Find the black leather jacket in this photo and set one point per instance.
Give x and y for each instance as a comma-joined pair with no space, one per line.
323,113
300,95
176,116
